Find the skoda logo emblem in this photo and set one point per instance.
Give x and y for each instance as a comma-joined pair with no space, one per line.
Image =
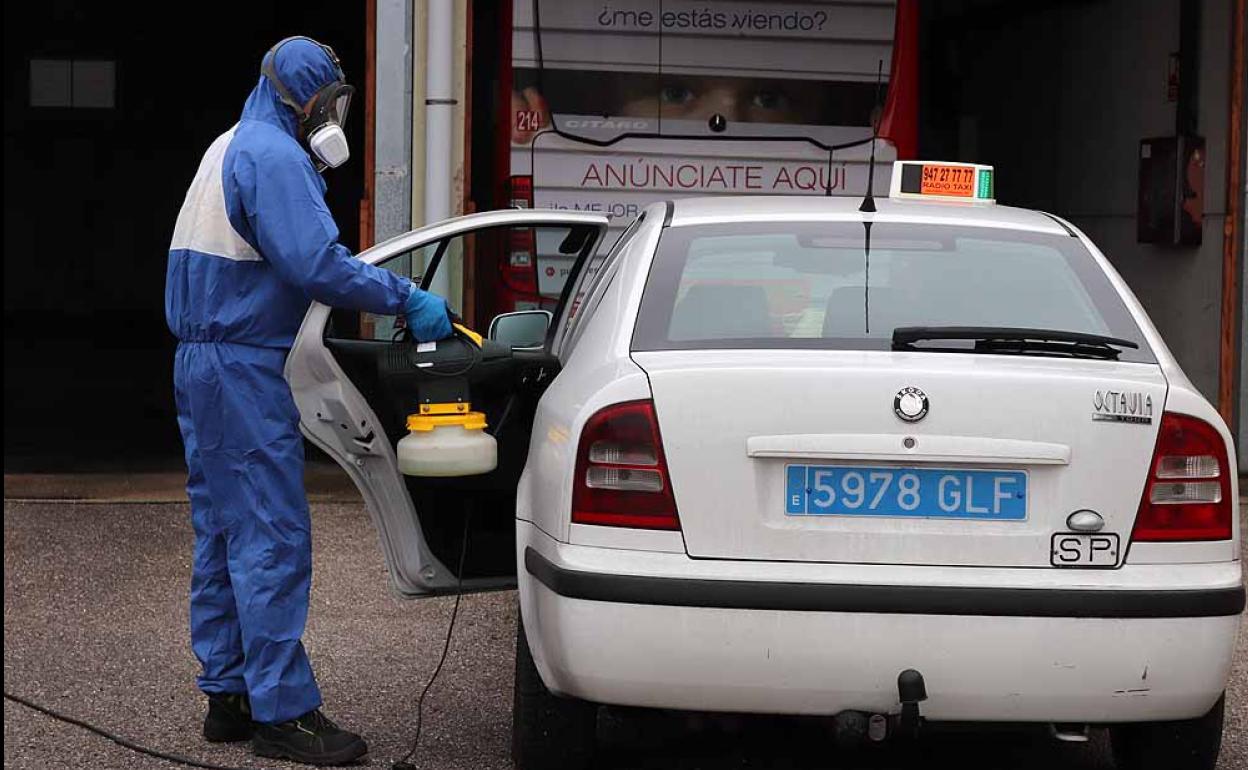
910,404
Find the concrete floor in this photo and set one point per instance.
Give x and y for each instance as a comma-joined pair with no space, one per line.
95,625
323,481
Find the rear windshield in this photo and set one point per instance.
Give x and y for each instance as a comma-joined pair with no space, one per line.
816,285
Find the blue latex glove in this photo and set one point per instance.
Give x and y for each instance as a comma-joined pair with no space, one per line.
428,316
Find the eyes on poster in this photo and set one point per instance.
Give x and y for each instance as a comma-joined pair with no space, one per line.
621,103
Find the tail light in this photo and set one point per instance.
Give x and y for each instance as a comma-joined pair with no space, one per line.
520,192
621,474
517,264
1188,494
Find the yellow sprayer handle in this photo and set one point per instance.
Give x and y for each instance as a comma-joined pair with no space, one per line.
469,333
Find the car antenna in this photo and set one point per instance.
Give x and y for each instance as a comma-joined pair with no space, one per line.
827,181
866,281
868,206
868,202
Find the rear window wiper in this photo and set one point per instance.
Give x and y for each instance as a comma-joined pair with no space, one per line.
1007,340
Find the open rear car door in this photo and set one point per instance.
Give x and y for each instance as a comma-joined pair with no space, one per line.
354,408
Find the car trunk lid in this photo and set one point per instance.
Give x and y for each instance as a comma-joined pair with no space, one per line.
741,428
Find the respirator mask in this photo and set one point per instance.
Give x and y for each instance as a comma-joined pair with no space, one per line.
321,126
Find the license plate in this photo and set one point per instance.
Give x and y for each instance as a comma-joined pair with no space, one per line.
1081,549
923,493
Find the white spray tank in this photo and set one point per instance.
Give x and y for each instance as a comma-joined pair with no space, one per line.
445,436
447,440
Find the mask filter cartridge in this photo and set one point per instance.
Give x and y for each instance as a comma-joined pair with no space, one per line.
329,144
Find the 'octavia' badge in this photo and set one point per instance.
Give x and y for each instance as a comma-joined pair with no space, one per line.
910,404
1122,406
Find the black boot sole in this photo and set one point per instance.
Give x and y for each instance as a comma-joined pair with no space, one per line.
234,734
217,733
350,754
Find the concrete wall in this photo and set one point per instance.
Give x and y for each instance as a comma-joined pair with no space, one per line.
1243,314
1063,128
392,173
1125,102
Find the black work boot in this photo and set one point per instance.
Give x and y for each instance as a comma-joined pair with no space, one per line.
311,739
228,719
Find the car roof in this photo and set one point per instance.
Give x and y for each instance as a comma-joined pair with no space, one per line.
767,208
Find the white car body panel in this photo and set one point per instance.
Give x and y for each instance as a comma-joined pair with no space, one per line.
703,211
597,371
713,404
723,414
976,668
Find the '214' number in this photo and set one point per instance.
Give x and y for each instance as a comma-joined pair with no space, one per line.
528,120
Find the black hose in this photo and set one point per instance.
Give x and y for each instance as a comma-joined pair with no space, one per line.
404,764
120,741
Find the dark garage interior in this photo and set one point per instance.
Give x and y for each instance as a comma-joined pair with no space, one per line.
90,197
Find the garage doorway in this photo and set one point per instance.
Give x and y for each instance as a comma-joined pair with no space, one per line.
108,109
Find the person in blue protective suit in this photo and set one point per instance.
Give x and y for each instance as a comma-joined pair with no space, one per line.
253,246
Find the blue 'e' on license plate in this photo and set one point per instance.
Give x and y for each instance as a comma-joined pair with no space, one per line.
931,493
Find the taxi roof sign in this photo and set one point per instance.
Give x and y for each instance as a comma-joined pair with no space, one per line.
939,180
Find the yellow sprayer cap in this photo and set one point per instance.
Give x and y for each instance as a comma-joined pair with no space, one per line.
427,422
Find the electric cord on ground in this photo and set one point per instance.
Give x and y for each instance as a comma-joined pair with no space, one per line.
120,741
405,763
402,764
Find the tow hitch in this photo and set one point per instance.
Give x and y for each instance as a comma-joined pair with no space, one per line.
850,727
911,690
1069,733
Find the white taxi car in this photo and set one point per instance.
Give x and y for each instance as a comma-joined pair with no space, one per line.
924,463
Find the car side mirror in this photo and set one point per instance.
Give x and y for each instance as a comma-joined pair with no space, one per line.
521,329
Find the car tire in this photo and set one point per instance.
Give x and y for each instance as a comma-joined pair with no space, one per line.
1190,744
547,730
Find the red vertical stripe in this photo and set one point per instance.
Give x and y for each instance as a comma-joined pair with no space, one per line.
900,122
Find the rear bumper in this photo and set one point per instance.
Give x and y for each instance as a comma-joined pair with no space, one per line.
631,628
978,601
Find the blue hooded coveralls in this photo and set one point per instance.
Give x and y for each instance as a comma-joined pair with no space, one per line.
254,244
